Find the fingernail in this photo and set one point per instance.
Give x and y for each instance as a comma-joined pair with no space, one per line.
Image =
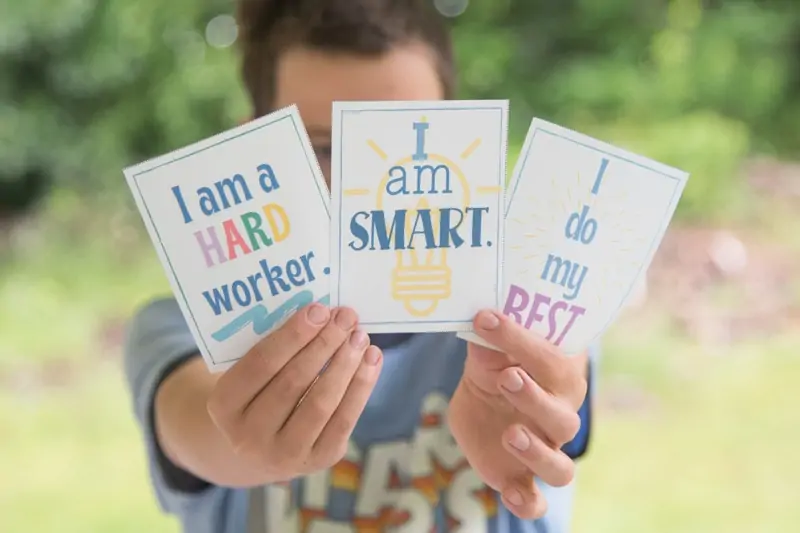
488,320
346,318
520,440
373,356
512,381
359,339
514,497
318,314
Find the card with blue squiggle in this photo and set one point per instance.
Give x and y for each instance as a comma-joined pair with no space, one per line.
240,222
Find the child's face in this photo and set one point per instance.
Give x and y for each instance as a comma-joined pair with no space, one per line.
314,80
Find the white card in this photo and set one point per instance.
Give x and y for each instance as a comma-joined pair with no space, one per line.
240,222
583,221
417,202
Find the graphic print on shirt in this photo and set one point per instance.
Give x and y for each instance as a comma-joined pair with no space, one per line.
411,486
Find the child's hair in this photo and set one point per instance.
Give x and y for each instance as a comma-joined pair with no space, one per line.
360,27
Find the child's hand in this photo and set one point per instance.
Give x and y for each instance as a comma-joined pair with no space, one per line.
513,411
268,409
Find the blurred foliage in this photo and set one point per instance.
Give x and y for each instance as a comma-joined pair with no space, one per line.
696,84
90,86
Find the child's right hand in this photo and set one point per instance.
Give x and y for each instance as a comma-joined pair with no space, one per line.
276,408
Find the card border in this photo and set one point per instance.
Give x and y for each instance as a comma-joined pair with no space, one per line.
133,173
585,141
340,109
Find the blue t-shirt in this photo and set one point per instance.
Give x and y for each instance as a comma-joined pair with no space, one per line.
403,472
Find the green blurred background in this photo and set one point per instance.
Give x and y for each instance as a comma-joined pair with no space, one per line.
698,423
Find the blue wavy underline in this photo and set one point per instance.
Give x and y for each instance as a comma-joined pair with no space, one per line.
261,318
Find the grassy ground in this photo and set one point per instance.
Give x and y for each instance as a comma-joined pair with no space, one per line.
700,443
683,443
72,461
686,440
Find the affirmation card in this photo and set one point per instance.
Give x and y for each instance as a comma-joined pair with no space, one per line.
583,221
240,222
418,199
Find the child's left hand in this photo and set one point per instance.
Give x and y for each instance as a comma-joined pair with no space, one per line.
513,411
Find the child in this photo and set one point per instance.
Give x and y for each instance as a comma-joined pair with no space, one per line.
409,433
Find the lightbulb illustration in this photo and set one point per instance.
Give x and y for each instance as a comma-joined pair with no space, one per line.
421,278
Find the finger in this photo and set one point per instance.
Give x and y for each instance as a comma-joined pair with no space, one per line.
553,417
332,442
486,360
309,418
545,362
273,406
552,466
238,386
525,499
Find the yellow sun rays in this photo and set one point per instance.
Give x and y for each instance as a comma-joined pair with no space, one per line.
471,148
377,149
356,192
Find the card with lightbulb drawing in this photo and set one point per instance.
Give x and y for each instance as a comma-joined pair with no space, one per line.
583,221
417,205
